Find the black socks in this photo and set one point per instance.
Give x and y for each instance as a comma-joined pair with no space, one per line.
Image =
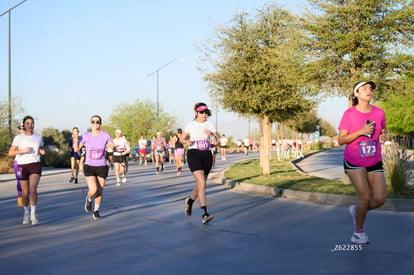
204,208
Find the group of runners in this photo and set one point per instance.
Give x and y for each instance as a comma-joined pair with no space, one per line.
90,152
116,157
361,129
156,149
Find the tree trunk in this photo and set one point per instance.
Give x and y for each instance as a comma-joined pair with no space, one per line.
265,146
261,141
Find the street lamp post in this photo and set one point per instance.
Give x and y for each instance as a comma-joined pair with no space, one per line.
216,106
157,71
9,65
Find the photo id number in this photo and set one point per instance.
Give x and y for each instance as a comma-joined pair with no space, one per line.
347,247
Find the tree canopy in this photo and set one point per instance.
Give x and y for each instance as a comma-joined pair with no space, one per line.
259,65
260,70
399,108
138,119
360,40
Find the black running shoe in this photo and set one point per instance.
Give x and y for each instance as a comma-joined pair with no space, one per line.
71,179
88,205
207,218
96,215
188,207
76,180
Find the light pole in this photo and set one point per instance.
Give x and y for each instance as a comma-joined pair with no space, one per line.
217,109
9,66
157,71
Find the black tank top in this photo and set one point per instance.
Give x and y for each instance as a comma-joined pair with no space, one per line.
178,144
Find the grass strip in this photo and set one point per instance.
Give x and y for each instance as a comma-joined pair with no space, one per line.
284,175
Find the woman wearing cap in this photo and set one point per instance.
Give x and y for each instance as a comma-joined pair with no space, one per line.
360,129
27,148
119,156
96,142
197,135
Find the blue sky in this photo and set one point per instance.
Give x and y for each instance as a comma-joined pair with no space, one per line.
75,58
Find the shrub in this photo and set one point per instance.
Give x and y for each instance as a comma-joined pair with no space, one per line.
56,159
396,169
316,146
6,165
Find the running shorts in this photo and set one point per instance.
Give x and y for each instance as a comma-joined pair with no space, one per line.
96,171
159,153
376,168
200,160
178,152
120,159
29,169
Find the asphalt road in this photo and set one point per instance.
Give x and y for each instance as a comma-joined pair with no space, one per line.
143,230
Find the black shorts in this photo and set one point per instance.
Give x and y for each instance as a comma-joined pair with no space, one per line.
75,155
96,171
30,169
120,159
376,168
200,160
109,155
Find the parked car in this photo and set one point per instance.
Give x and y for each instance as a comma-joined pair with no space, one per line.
135,153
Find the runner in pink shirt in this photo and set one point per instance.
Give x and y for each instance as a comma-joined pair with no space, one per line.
360,129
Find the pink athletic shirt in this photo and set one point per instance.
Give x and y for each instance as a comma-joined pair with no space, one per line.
363,151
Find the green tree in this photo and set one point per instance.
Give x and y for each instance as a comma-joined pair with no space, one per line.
399,113
5,139
357,40
52,136
139,119
260,70
327,129
305,123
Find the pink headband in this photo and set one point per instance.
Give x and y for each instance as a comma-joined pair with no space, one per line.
201,108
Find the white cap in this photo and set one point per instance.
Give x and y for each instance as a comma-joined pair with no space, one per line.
117,131
360,84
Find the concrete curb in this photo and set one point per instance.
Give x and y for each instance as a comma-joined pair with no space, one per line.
391,204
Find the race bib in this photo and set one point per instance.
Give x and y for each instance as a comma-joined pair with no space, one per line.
367,148
203,144
96,154
120,149
159,148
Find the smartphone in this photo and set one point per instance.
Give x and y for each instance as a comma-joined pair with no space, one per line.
369,122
